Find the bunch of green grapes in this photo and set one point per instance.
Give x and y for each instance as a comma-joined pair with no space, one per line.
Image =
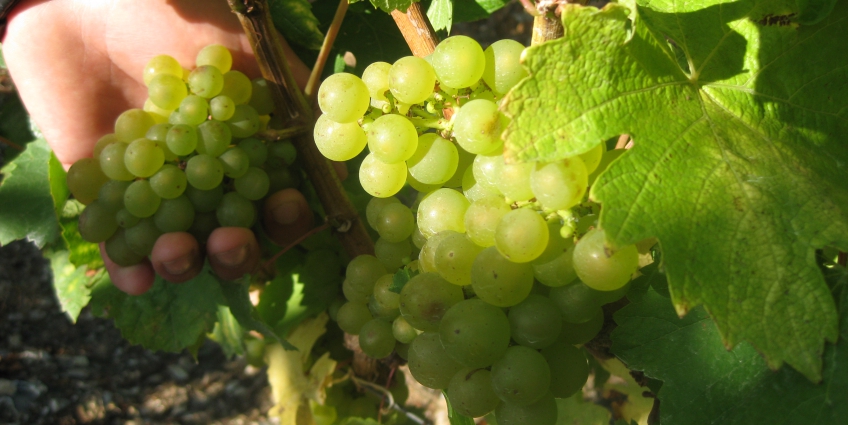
510,269
187,162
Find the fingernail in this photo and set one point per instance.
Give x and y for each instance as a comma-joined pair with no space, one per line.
234,257
286,213
180,265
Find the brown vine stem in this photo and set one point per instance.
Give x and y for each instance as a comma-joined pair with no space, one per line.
417,30
330,37
256,21
546,25
271,135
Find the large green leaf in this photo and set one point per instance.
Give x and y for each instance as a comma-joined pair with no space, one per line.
705,384
739,123
72,283
440,14
294,19
472,10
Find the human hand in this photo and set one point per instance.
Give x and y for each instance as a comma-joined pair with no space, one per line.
77,65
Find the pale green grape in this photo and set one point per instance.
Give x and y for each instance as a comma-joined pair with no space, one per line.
174,215
606,160
206,81
487,170
514,181
352,295
105,140
474,191
140,199
237,87
392,138
111,194
284,150
235,161
204,171
166,91
256,150
143,157
343,97
244,122
376,78
133,124
85,179
592,158
470,392
215,55
382,294
522,235
581,333
576,302
427,256
426,298
253,185
119,252
141,237
429,364
482,218
162,64
535,322
474,333
169,182
112,162
362,274
97,223
339,141
380,179
158,133
557,272
503,69
181,139
375,207
222,108
569,369
394,222
411,80
499,281
392,254
542,412
458,61
213,137
403,331
556,243
125,219
235,211
600,267
559,185
352,316
521,376
159,115
376,339
465,159
261,98
454,257
418,186
194,110
442,209
418,239
478,125
205,201
402,350
434,161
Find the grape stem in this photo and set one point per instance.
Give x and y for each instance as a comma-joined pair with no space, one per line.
435,123
546,25
272,135
386,396
269,265
330,37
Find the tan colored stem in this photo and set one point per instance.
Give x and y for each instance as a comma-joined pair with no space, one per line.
546,26
416,30
311,90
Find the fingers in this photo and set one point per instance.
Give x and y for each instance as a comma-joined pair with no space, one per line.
134,280
176,257
286,216
233,252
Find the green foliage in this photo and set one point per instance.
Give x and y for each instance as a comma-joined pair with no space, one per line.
705,384
440,14
228,333
455,417
401,278
295,20
389,5
735,165
574,410
238,300
72,283
473,10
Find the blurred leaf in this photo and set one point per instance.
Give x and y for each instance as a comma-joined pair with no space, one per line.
575,411
471,10
814,11
228,333
238,299
72,283
400,279
295,20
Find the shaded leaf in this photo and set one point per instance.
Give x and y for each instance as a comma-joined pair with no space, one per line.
238,300
228,333
389,5
71,283
471,10
295,20
575,411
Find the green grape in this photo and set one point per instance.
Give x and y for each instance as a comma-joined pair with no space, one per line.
375,208
418,186
522,235
333,308
478,125
465,159
559,185
458,61
376,78
204,171
454,257
119,252
205,201
339,141
166,91
102,142
253,185
557,244
235,211
557,272
235,161
577,302
542,412
261,98
434,161
97,223
442,209
256,151
384,296
237,87
606,297
206,81
601,268
222,108
111,194
429,364
140,199
376,339
470,392
362,274
503,67
177,118
215,55
392,138
159,115
181,139
592,158
482,218
395,222
85,179
606,160
427,256
487,170
581,333
162,64
521,376
125,219
194,110
474,333
411,80
379,179
418,239
244,122
474,191
143,157
351,294
352,317
158,133
426,298
133,124
569,369
203,225
514,181
392,254
112,162
174,215
141,237
284,150
499,281
213,137
343,97
403,331
535,322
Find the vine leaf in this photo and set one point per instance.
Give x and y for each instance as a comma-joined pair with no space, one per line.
705,384
71,283
440,14
473,10
389,5
740,131
294,19
238,300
